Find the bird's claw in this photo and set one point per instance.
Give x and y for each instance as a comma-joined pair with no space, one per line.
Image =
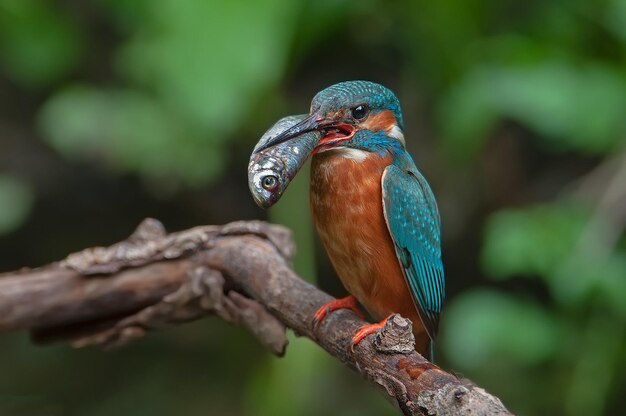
348,302
366,330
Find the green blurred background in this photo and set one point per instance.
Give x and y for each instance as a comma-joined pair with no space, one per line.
114,110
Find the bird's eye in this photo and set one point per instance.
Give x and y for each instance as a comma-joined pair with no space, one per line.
359,112
269,182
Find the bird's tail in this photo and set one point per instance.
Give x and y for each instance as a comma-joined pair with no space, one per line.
431,352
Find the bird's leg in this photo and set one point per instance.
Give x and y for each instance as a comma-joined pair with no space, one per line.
349,302
366,330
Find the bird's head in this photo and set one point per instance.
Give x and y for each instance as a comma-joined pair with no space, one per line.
350,114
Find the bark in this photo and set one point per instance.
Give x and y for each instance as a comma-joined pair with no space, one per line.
240,272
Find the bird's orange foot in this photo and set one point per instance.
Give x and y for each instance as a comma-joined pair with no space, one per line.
366,330
349,302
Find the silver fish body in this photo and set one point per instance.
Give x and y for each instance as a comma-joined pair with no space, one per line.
271,170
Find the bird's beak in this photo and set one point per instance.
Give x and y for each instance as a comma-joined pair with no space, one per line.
310,123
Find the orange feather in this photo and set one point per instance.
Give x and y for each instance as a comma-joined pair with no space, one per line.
346,203
383,120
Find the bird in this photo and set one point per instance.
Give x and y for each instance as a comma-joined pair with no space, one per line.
374,211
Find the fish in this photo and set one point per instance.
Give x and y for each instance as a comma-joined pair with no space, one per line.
272,169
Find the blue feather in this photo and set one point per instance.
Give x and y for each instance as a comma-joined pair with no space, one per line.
414,224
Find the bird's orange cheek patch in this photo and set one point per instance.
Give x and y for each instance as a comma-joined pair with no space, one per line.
383,120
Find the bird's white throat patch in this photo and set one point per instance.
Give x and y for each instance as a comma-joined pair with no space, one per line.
396,133
354,154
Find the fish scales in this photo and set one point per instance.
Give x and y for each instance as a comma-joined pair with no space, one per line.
271,170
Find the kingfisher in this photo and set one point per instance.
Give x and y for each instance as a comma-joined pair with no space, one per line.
374,211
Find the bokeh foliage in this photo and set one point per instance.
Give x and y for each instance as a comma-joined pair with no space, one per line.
521,99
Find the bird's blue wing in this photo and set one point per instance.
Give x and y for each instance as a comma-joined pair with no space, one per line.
413,222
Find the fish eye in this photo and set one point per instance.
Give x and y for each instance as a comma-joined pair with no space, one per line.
359,112
269,182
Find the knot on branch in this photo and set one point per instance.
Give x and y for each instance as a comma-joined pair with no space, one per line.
396,337
458,399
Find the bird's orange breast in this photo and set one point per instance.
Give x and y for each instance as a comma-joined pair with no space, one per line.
346,202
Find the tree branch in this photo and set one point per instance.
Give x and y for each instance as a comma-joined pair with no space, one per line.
240,272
